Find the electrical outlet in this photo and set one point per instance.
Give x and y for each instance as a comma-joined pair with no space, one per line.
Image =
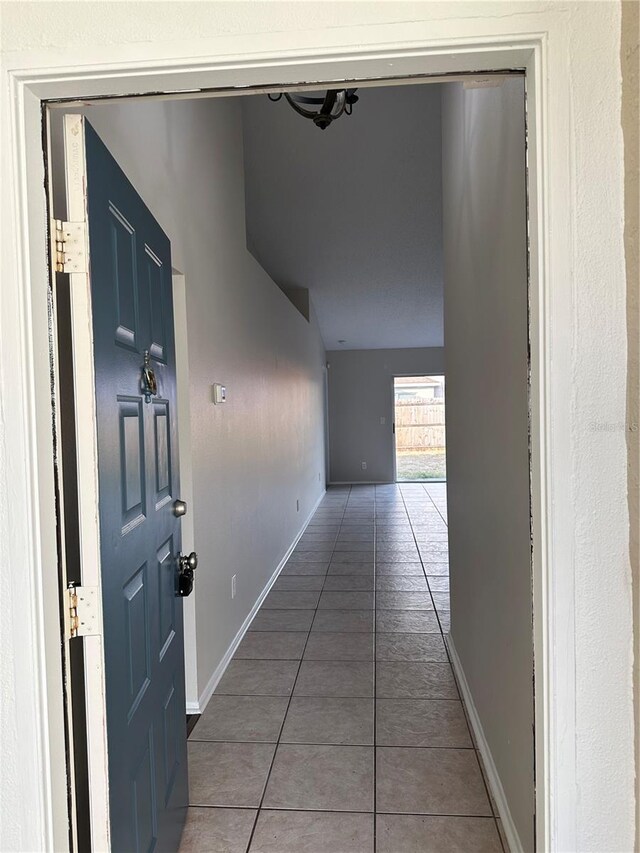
233,587
364,466
383,421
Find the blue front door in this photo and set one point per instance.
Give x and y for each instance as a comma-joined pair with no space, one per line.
130,273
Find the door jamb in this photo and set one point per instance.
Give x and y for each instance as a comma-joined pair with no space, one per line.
555,774
181,330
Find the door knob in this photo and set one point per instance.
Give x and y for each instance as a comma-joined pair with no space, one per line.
186,567
190,562
179,508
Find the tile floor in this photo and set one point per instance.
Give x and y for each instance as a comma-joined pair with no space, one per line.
338,727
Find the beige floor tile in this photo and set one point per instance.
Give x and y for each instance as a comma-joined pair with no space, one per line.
435,834
396,554
326,545
407,621
346,601
271,645
441,600
318,538
217,830
295,568
439,584
401,569
401,583
324,645
288,600
299,583
241,718
410,647
430,781
367,538
332,778
339,583
398,680
282,620
390,539
258,678
228,774
313,832
359,547
347,559
335,678
436,568
311,556
351,568
343,620
404,601
421,722
330,721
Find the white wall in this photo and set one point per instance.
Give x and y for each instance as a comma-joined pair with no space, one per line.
485,268
254,456
360,204
360,393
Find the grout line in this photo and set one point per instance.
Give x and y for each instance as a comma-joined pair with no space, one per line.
321,696
344,745
344,811
424,571
293,687
343,528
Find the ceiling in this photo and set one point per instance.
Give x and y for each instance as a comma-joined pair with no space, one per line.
353,213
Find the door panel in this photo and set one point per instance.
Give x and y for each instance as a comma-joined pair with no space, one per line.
138,479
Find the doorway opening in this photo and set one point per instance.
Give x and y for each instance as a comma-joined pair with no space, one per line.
419,429
375,501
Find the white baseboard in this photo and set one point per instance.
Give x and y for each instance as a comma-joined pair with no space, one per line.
360,483
493,779
199,706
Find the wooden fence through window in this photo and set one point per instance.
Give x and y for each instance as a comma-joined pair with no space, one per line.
420,426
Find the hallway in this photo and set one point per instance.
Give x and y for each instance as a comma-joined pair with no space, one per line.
340,702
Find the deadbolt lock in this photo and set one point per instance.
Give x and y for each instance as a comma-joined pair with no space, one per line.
186,567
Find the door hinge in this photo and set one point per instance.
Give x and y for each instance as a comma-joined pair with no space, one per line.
83,611
70,252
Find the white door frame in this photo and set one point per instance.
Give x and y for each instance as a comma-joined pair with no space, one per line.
465,41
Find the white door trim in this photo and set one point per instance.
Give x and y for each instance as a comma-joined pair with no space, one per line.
539,44
84,385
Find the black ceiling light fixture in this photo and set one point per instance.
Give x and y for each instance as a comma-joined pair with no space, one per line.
330,105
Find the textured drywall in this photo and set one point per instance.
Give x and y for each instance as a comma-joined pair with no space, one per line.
354,213
263,450
360,394
630,61
43,24
485,271
597,402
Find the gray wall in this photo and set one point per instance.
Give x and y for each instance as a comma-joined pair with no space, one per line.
360,393
264,449
353,212
487,428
